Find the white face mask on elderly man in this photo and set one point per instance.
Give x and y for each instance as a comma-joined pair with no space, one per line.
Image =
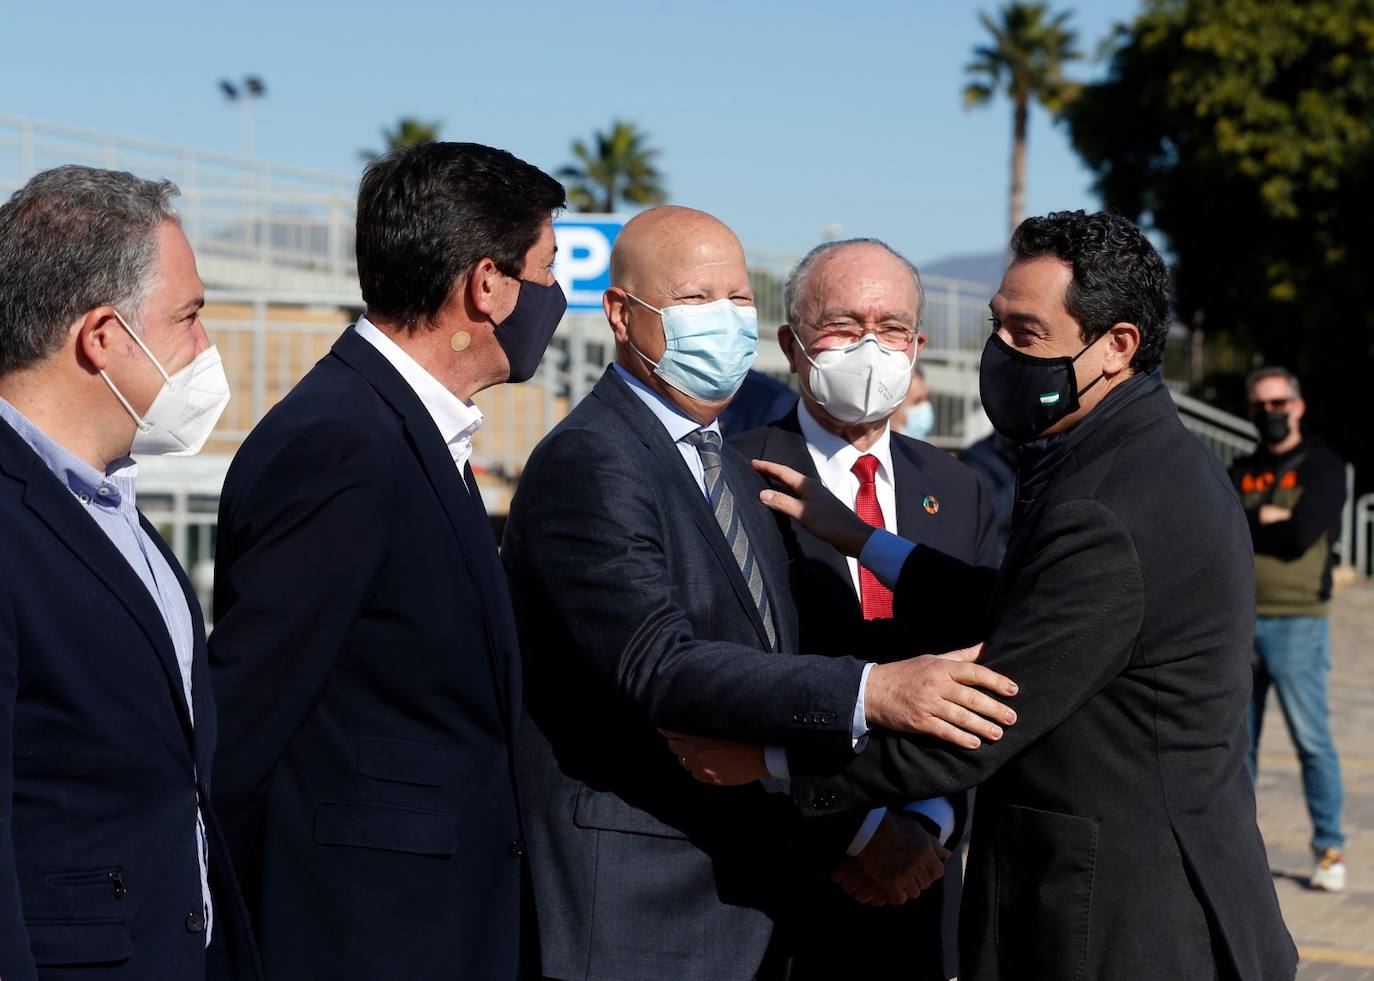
186,408
862,382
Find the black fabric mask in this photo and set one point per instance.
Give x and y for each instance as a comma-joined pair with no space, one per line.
526,333
1272,426
1024,395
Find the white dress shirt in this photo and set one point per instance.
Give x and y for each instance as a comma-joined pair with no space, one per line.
834,459
455,419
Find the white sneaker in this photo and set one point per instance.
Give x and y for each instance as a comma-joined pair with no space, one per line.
1329,875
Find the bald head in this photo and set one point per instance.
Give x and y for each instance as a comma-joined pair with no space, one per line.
847,270
670,257
670,244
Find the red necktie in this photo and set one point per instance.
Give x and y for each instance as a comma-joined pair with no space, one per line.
876,598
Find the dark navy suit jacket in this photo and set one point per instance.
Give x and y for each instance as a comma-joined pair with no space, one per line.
633,615
940,503
100,767
365,662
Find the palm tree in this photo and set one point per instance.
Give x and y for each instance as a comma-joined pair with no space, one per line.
1025,60
620,167
408,131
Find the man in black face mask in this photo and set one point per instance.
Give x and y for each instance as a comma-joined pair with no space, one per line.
1292,489
364,653
1114,836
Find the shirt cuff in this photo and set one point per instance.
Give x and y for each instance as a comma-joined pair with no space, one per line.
858,728
938,810
775,762
884,554
865,833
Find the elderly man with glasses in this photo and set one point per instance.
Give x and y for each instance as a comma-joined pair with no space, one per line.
853,335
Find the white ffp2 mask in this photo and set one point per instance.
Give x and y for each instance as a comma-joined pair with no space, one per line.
863,382
185,409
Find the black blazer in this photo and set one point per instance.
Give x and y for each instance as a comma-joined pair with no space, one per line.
633,615
100,766
365,663
940,503
1115,834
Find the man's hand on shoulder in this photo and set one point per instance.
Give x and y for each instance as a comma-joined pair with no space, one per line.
901,861
938,695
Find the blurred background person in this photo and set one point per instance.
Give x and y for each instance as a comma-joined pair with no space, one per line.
1292,489
111,864
915,417
364,653
852,337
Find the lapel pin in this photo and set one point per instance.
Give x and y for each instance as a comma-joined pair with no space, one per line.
931,504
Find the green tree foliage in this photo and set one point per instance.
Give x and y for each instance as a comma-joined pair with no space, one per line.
618,166
407,132
1241,130
1025,62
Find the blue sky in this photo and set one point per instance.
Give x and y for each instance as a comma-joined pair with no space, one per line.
782,119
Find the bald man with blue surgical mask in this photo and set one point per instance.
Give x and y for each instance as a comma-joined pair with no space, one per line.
651,589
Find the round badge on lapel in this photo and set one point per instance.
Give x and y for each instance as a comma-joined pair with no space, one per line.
931,504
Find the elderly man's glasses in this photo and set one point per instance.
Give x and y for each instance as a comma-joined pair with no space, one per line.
842,333
1270,405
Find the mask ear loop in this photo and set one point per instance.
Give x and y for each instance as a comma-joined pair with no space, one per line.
143,427
634,347
1083,391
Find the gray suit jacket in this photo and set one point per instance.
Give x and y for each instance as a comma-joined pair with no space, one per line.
633,615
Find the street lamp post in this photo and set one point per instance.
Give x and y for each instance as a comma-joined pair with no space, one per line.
244,93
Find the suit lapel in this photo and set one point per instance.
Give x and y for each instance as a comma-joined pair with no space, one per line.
462,506
53,504
205,724
910,487
785,444
679,482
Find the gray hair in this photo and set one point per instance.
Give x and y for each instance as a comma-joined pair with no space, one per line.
1257,376
796,279
71,239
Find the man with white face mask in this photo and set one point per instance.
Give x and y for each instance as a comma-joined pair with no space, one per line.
853,336
650,589
110,857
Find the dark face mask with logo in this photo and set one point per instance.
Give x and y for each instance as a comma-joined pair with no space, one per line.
526,333
1024,395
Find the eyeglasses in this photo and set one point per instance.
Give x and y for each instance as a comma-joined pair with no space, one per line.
1270,405
842,333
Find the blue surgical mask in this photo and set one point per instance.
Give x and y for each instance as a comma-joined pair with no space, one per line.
709,347
920,420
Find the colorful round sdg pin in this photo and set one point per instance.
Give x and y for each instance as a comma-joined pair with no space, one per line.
931,504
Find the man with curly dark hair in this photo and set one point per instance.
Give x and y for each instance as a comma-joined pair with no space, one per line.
1114,835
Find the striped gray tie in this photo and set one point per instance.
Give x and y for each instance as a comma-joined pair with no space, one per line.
707,444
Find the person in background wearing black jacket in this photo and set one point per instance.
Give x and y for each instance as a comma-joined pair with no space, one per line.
1292,490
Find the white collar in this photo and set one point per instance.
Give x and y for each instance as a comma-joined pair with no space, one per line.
455,419
837,453
673,419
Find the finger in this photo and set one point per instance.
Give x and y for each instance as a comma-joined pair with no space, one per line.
960,717
785,477
671,734
967,654
782,503
976,674
869,895
976,701
944,854
941,729
850,878
896,895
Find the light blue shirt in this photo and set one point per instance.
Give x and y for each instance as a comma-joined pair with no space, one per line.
111,502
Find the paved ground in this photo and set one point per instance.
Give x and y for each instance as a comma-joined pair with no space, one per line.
1334,933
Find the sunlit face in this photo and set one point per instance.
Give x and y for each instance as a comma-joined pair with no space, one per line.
709,269
1030,314
537,268
169,323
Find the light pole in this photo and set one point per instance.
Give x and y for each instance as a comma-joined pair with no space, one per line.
244,93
